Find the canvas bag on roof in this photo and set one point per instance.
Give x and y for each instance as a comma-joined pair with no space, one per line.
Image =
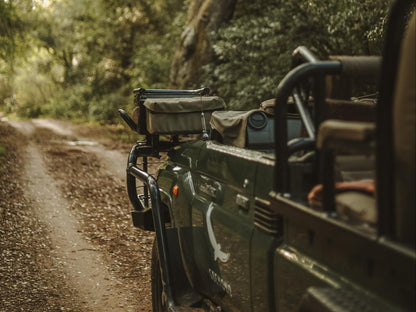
180,115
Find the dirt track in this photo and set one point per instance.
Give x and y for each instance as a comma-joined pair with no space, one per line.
67,239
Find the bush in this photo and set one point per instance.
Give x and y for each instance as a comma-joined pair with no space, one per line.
105,109
253,52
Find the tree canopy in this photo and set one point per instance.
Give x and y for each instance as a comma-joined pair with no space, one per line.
82,58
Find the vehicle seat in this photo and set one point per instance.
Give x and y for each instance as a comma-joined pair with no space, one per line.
354,200
353,194
334,134
404,118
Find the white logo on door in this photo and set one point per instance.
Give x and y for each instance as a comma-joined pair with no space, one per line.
218,254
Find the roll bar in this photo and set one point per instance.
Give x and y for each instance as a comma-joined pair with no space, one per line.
315,69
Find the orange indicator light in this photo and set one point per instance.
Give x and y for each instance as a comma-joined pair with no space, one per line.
175,190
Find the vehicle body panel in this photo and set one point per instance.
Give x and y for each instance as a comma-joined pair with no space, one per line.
220,205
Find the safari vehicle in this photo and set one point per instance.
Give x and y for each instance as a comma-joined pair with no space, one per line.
276,209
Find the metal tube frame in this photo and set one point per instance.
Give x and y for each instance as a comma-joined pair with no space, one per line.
315,70
158,219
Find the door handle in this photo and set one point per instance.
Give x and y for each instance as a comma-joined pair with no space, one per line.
242,202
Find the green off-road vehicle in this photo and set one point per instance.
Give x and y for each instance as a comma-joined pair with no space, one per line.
305,204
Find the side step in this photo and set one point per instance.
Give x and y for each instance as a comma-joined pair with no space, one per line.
329,299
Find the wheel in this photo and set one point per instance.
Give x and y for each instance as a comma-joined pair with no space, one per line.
157,285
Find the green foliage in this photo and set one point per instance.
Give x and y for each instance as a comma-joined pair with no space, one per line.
2,153
104,109
35,84
150,66
4,84
70,103
80,103
81,59
88,55
15,22
253,52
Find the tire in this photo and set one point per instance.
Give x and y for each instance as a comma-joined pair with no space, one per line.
157,285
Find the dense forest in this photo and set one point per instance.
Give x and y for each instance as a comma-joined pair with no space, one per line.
81,59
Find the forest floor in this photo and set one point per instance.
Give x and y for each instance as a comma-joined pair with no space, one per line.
67,240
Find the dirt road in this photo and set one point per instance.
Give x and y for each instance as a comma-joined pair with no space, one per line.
67,242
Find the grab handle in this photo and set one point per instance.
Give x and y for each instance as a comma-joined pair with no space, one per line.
127,119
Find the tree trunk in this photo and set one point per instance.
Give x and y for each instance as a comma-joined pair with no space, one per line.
195,49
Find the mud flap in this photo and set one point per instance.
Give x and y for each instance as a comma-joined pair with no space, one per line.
143,219
184,294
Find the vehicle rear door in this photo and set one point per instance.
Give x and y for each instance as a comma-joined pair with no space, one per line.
222,224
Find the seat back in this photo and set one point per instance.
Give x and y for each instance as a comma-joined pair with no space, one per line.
391,211
404,118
